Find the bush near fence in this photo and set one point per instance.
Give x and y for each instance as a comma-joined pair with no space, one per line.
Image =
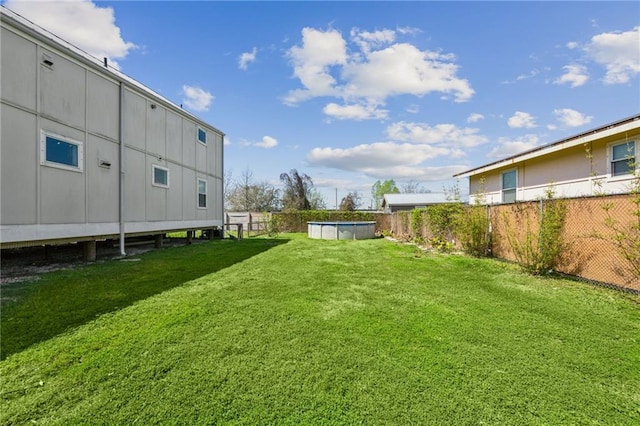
600,236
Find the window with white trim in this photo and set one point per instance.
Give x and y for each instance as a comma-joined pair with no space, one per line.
160,176
61,152
202,136
509,185
622,158
202,194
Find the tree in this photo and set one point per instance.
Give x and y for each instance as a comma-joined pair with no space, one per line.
297,190
380,188
246,195
316,200
414,187
350,202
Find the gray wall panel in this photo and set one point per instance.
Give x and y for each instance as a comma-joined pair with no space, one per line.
174,137
188,194
189,143
135,115
62,196
102,106
136,181
174,193
218,156
18,76
156,131
103,189
201,157
62,90
19,159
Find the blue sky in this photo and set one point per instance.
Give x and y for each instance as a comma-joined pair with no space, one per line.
353,92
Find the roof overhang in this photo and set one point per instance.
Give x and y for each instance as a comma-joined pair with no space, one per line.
625,125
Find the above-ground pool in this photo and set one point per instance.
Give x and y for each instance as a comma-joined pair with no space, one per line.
341,230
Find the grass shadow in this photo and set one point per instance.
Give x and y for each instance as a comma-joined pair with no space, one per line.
60,300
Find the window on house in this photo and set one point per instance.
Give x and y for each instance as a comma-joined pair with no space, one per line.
202,136
509,184
160,176
623,158
61,152
202,193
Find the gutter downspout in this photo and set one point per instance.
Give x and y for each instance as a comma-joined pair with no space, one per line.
121,183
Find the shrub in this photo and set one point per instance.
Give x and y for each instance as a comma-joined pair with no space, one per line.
473,230
537,248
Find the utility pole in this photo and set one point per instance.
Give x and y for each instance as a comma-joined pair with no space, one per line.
336,198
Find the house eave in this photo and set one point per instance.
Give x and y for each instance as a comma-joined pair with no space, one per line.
624,125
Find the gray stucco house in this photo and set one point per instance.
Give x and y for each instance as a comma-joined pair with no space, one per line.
89,153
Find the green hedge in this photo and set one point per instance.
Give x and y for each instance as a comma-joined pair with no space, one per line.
296,220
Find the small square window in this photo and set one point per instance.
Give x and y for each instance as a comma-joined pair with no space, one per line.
623,158
160,176
62,152
202,136
202,194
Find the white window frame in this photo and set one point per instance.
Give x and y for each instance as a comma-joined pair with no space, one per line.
198,136
206,193
610,158
153,176
43,152
502,189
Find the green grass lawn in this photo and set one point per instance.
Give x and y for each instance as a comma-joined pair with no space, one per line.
298,331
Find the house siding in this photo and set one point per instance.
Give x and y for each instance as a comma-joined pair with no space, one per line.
570,172
76,99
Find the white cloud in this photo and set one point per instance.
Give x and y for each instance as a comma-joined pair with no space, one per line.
404,69
571,118
575,75
367,40
475,117
246,58
380,155
385,160
333,183
80,22
413,109
196,99
311,62
531,74
267,142
355,112
370,69
412,145
441,134
618,52
507,147
408,30
521,119
572,45
422,174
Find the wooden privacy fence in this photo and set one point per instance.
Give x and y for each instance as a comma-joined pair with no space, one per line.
600,236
